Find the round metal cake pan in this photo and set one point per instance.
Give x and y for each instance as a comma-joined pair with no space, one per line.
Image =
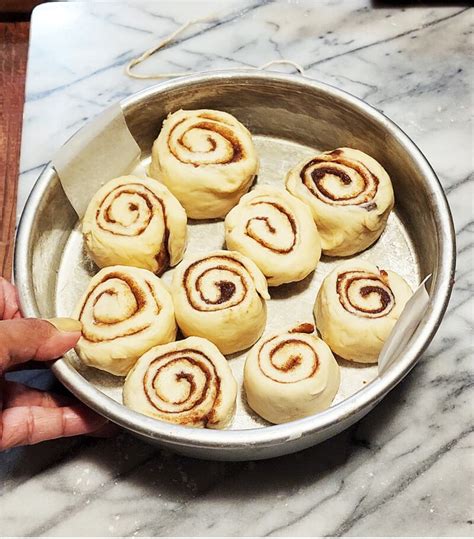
276,107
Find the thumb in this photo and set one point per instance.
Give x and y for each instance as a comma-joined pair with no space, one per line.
32,338
9,307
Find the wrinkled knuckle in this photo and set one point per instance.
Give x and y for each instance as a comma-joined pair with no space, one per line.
63,424
41,329
30,426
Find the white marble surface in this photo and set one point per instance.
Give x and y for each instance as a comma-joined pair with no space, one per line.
406,469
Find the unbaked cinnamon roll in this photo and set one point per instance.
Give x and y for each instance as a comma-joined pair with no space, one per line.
124,312
188,382
135,222
206,158
356,308
221,296
276,231
290,375
350,196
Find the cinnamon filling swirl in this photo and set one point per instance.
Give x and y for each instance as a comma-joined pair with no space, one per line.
365,294
283,240
204,142
188,382
206,158
128,210
287,359
220,282
113,304
124,312
291,375
137,222
180,382
340,182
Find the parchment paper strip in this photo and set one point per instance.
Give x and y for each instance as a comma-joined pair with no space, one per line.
103,149
405,327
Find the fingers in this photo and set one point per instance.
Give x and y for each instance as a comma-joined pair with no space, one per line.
27,425
9,305
31,338
15,394
32,416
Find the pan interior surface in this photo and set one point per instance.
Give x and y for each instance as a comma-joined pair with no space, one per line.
290,304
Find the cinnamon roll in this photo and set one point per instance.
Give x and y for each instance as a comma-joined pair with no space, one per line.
135,222
290,375
221,296
206,158
124,312
356,308
277,232
188,382
350,196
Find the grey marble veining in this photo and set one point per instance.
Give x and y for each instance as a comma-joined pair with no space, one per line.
407,468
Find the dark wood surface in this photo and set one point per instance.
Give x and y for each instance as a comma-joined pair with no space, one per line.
18,9
13,58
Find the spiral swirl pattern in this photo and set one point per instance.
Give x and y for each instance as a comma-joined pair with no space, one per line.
216,283
206,158
337,180
280,239
188,382
195,375
357,307
124,312
136,222
220,296
277,232
350,196
287,359
290,375
365,294
128,209
207,138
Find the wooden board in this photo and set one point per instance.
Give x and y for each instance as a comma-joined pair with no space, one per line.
13,58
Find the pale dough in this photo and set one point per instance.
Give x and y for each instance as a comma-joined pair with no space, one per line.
290,375
350,196
356,308
124,312
137,222
221,296
188,382
206,158
276,231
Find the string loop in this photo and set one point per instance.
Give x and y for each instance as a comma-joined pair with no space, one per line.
171,37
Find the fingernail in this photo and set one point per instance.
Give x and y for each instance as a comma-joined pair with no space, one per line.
66,325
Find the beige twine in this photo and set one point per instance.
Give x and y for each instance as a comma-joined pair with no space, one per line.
171,37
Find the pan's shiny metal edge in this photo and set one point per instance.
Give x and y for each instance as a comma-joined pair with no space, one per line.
279,439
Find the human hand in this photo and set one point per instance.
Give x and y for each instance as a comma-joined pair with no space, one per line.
9,305
29,416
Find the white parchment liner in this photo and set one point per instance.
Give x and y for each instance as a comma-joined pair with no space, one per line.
103,149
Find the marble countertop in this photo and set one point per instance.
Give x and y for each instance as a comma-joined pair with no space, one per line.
406,469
